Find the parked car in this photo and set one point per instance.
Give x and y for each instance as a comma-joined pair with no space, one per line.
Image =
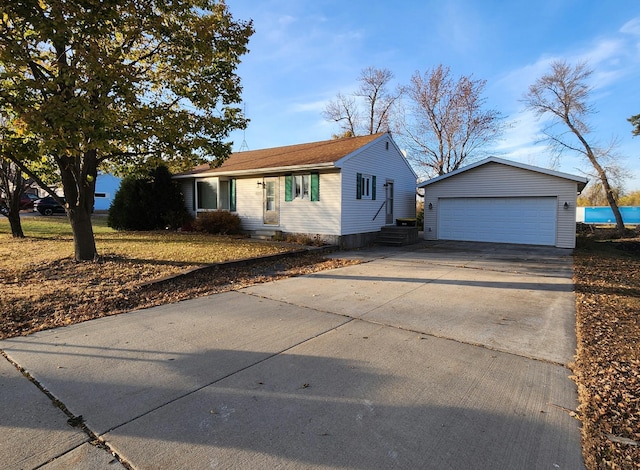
26,201
49,206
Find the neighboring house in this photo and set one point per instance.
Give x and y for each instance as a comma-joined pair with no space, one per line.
342,191
106,188
497,200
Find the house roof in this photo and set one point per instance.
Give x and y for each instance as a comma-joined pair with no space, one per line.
580,180
310,155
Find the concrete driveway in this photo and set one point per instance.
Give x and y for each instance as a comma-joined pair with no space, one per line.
444,356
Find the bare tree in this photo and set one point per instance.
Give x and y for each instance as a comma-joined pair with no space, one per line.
343,110
594,195
563,94
444,124
367,111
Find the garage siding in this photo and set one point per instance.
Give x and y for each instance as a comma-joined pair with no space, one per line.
498,180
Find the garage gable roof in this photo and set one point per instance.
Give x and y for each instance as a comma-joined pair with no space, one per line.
580,180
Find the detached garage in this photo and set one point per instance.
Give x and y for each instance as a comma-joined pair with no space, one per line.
501,201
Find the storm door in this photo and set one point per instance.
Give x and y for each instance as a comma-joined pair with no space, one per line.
271,205
389,202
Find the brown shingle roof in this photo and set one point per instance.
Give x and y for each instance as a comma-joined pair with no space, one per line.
326,151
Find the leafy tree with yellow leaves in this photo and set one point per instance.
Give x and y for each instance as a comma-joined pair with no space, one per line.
119,81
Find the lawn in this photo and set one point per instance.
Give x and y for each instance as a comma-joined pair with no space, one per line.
43,287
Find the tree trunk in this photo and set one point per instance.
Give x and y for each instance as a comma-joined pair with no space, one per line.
613,204
84,242
15,223
591,155
79,182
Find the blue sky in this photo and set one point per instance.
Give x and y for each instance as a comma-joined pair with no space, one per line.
306,51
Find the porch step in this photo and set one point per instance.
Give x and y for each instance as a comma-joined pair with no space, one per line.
392,235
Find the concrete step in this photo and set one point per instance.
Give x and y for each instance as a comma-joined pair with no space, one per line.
392,235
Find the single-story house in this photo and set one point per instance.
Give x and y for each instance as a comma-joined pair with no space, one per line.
341,191
497,200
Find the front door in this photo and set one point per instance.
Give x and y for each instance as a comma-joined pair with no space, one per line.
389,202
271,204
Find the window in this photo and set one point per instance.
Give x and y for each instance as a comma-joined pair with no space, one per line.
304,187
301,187
365,186
228,195
206,195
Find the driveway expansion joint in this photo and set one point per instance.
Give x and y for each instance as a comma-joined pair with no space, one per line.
73,420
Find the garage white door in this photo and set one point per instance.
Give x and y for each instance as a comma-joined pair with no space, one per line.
525,220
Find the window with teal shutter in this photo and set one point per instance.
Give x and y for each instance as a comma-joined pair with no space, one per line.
365,186
373,187
288,188
232,195
315,187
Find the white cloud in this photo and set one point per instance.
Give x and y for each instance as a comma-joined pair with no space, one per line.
311,106
631,27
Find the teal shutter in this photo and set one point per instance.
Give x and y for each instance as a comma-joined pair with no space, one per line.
232,195
373,187
358,185
288,188
315,187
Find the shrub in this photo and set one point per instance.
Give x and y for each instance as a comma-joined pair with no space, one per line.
148,203
420,215
220,221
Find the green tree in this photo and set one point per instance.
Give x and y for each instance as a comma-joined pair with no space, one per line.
563,94
148,203
119,81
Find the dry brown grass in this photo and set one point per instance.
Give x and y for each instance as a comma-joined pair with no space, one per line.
607,368
42,287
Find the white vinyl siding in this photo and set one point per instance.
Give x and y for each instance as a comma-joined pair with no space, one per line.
498,181
375,160
296,216
524,220
301,215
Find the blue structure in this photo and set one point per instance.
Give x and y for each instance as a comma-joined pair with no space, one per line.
106,188
604,215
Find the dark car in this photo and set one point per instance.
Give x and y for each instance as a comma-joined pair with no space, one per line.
49,206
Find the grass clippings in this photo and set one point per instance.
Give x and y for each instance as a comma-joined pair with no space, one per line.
607,366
